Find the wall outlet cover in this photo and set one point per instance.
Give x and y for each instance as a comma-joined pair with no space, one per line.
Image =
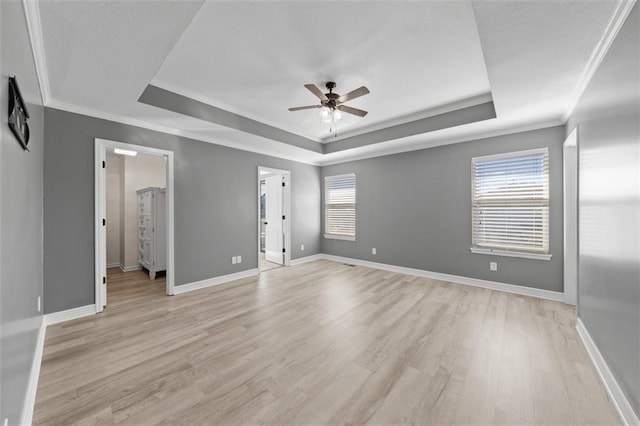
239,259
39,303
234,260
301,247
374,251
493,266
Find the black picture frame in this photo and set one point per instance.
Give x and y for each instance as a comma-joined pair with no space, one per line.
18,114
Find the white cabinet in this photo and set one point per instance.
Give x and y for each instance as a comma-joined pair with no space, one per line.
152,234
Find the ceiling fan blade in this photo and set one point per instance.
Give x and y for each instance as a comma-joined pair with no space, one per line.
361,91
305,107
316,91
354,111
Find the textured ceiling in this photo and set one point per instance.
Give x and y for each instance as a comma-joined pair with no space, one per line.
537,50
252,58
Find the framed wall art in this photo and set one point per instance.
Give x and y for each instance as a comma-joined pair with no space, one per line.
18,114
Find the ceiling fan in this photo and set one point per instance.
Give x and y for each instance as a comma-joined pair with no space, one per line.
334,101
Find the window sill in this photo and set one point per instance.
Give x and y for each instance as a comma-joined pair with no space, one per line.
523,255
339,237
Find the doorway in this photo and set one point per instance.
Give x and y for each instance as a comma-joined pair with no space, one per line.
570,185
149,241
273,218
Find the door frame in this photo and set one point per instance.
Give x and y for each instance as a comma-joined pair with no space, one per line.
100,190
570,217
286,197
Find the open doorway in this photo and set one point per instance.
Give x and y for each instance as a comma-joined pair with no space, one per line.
273,218
134,222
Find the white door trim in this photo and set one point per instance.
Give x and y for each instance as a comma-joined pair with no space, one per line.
100,147
286,226
570,216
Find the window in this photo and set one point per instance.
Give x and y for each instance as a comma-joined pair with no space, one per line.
510,204
340,207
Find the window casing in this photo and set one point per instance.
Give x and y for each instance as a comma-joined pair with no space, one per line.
510,204
340,207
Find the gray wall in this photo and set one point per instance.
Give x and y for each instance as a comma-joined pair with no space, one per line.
20,218
215,205
608,116
415,209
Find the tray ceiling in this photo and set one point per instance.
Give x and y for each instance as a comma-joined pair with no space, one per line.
251,59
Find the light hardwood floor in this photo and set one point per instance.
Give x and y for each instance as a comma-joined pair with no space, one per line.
320,343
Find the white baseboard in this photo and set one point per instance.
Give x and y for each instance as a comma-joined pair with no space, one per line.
475,282
70,314
129,268
620,401
197,285
306,259
113,265
32,387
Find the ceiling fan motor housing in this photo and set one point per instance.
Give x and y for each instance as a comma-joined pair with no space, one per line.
332,101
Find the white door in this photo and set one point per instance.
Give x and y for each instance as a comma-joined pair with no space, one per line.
273,206
570,172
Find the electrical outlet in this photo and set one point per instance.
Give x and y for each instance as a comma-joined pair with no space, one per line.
493,266
239,259
301,247
39,303
234,260
373,251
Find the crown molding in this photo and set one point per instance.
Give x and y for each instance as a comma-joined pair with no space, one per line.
620,14
408,118
34,28
63,106
427,140
206,100
440,138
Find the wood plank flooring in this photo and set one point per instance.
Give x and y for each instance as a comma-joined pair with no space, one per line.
319,343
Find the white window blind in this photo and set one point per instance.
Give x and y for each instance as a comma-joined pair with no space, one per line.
510,196
340,206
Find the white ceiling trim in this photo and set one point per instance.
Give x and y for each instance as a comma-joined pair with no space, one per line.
63,106
427,113
200,98
623,8
34,28
442,137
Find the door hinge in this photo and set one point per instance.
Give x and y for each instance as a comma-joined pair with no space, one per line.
282,183
104,280
104,164
283,217
104,222
284,250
